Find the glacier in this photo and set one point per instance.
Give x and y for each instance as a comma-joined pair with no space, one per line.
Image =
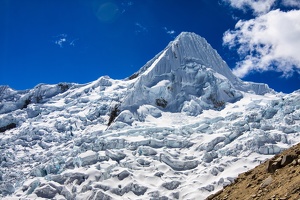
184,127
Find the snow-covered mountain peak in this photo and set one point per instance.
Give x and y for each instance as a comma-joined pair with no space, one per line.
190,47
188,73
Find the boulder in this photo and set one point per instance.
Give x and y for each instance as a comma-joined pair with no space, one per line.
273,166
266,182
287,159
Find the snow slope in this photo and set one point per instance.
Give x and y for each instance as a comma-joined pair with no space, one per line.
185,128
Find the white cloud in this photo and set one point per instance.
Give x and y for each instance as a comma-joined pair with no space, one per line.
60,42
292,3
170,32
61,39
258,6
268,42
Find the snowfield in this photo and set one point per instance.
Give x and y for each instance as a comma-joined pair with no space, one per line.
185,126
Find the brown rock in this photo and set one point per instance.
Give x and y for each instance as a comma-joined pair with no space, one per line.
272,166
286,159
278,159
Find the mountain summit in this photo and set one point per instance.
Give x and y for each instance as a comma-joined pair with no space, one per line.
182,127
188,74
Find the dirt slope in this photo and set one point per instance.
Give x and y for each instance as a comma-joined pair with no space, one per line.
277,178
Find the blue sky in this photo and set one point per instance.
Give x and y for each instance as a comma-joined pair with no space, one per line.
52,41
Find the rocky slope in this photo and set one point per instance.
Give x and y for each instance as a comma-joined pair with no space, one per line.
276,178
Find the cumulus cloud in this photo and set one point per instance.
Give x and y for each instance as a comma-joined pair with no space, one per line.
258,6
268,42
